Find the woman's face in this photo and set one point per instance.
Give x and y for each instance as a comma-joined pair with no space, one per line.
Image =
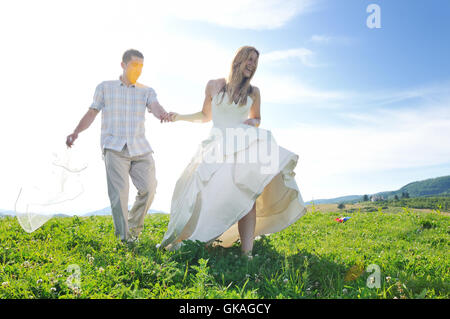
248,67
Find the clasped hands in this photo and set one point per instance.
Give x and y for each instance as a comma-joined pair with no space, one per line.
173,116
169,117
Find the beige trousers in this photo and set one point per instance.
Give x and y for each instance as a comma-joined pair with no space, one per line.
141,169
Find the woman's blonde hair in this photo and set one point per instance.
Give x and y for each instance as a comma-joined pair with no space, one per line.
236,81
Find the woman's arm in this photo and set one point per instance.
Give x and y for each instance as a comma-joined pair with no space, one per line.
254,116
200,117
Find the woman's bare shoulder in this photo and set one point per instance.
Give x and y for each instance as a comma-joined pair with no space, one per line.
215,85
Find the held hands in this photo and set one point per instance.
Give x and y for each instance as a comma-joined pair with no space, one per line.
165,117
169,117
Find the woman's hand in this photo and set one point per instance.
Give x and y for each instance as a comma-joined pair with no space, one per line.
252,122
173,116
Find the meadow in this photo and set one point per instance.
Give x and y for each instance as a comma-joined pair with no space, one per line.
386,252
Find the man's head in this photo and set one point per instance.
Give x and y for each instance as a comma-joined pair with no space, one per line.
132,63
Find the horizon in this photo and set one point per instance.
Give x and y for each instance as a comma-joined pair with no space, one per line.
4,212
365,109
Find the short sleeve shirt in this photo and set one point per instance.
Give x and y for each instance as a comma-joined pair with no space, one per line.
123,115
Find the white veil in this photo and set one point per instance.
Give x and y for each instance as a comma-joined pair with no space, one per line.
50,191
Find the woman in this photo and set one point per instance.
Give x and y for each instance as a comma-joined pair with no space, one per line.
219,198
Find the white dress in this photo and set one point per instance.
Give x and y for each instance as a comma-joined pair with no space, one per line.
215,191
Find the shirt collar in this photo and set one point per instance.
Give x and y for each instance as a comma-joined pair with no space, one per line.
123,83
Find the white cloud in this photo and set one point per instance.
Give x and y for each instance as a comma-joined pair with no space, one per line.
326,39
241,14
286,89
304,55
320,39
384,140
290,89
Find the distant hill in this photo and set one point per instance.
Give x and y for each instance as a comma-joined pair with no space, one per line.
103,211
439,186
4,212
336,200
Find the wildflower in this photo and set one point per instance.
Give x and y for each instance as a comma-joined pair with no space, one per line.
247,276
132,273
388,278
76,291
285,281
53,289
26,264
5,284
344,290
91,259
100,270
39,281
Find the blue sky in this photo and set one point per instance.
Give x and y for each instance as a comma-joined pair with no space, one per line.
366,110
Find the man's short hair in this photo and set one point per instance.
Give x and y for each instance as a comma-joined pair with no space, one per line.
131,53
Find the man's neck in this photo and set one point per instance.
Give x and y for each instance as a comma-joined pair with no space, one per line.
125,80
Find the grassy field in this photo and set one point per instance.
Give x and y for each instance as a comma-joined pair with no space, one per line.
405,252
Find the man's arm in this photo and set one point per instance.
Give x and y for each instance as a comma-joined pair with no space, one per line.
159,112
85,122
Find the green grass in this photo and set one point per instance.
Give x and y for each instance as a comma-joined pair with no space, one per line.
310,259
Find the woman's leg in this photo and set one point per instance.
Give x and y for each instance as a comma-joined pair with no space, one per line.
246,227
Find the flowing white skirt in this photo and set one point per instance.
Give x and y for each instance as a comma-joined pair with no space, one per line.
211,197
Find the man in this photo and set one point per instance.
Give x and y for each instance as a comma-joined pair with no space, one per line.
126,151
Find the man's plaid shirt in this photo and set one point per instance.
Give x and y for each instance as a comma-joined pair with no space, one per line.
123,115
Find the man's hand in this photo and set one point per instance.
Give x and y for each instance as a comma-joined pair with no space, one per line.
164,117
85,122
71,138
168,117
